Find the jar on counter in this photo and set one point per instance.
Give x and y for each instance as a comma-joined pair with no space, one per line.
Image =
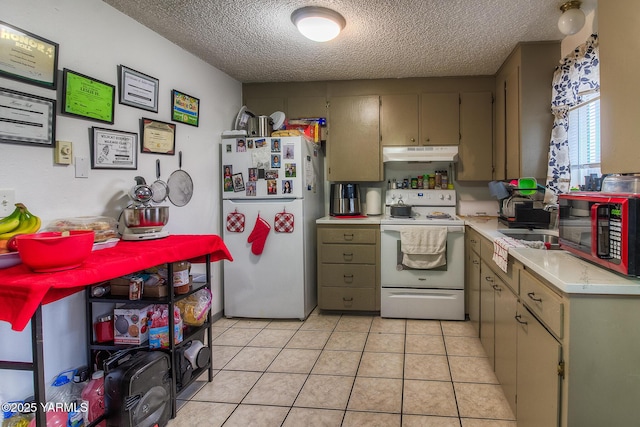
438,183
444,180
104,328
420,182
414,183
432,182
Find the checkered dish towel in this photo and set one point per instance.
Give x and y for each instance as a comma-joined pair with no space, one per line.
501,247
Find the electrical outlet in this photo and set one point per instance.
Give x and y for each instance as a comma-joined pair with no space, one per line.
63,153
7,202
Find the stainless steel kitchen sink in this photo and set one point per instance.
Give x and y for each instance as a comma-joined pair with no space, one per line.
535,235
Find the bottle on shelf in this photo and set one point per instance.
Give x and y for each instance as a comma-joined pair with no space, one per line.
93,394
438,180
444,180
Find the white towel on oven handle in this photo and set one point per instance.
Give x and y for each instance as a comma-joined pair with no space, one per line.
424,247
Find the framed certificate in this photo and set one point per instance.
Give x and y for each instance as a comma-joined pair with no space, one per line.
27,57
137,89
184,108
113,149
27,119
158,137
86,97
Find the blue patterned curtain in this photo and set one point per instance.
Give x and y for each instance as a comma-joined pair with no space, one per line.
577,76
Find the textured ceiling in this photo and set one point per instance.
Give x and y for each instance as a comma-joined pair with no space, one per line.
255,40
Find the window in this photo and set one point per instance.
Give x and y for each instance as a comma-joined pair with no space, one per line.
584,141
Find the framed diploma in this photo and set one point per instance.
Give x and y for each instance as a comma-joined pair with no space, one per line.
158,137
113,149
86,97
184,108
27,119
137,89
27,57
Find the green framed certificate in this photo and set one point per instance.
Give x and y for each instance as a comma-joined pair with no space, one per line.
86,97
185,108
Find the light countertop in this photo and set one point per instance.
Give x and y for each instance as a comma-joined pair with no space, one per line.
568,273
337,220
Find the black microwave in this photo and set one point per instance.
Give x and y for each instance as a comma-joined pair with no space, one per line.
602,228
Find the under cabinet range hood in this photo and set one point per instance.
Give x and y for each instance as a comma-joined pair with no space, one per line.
447,153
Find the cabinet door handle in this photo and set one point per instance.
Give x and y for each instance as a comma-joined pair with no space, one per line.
348,278
497,288
518,319
532,296
488,279
474,241
348,237
476,262
412,139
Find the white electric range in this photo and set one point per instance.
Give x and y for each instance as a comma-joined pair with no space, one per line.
436,293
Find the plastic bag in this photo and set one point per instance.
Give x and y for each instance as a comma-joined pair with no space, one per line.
195,307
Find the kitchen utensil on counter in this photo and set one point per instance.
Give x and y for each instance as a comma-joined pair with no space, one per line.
159,188
146,219
180,185
141,193
55,251
400,210
374,201
345,199
527,186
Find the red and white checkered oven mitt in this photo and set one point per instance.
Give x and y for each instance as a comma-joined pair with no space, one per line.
235,222
283,222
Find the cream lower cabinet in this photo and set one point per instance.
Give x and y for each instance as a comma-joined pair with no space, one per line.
472,277
487,311
538,382
348,267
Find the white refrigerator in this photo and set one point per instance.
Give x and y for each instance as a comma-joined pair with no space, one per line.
271,197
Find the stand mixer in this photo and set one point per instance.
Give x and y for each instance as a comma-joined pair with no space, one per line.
143,221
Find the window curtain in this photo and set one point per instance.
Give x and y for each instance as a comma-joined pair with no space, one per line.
577,77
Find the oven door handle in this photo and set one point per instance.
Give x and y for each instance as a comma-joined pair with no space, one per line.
399,228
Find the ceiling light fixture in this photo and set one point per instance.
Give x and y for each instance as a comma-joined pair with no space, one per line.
572,19
318,23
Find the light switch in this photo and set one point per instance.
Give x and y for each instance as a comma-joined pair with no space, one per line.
63,153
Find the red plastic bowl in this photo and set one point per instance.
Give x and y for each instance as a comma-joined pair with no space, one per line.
53,251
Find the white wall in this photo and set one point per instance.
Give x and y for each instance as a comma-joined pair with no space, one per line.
94,38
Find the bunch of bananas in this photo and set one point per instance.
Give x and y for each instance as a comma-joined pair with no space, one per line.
21,221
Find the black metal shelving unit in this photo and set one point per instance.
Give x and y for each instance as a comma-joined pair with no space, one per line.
189,333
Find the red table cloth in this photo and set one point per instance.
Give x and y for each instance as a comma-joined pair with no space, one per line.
22,291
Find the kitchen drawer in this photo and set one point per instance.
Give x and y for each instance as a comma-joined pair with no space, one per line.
350,275
331,298
543,302
473,237
349,235
351,254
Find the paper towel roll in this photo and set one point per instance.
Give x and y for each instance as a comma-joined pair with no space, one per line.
374,201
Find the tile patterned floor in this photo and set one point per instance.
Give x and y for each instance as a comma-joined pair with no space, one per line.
346,370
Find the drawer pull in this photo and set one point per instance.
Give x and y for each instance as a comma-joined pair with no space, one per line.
518,319
345,299
348,278
532,296
348,237
347,256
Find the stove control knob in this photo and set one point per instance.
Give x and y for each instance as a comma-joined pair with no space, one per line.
448,196
441,196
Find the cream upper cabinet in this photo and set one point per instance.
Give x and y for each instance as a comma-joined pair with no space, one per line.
265,106
440,118
619,33
353,148
523,111
476,137
310,106
399,119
